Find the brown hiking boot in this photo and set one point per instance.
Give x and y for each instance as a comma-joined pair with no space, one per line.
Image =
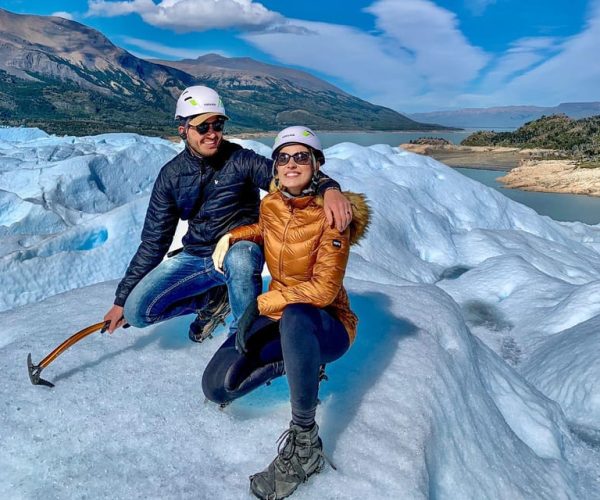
299,455
213,315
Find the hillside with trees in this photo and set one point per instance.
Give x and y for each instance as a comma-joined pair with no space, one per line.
569,138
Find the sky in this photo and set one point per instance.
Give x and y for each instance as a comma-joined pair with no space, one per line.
474,373
409,55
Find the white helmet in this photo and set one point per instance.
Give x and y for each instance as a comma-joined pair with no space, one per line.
199,100
298,135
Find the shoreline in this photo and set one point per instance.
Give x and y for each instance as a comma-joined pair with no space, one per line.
553,176
482,167
479,157
523,168
250,135
254,135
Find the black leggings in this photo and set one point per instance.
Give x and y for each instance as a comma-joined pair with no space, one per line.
305,338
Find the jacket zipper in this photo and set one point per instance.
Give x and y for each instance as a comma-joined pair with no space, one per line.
283,242
201,188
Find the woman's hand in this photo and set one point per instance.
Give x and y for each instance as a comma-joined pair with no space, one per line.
218,255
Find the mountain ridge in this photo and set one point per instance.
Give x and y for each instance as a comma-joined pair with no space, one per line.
506,116
81,83
231,66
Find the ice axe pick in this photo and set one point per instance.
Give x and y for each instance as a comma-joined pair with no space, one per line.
36,370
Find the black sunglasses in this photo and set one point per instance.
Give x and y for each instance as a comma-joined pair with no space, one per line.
301,158
217,126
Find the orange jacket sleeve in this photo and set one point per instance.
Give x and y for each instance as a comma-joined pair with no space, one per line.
327,276
251,232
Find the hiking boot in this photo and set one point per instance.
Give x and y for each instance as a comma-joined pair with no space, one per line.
211,316
299,455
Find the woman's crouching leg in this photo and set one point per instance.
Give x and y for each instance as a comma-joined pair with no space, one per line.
230,375
215,373
310,337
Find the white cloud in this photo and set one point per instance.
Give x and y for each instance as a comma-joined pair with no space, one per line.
416,59
419,59
534,43
441,53
345,53
478,7
64,15
103,8
419,49
168,51
191,15
523,55
570,74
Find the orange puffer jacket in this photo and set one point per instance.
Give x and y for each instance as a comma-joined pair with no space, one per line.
306,258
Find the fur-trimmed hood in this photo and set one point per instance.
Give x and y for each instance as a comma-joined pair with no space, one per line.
361,212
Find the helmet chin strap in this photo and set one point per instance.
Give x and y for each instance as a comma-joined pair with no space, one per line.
313,162
185,125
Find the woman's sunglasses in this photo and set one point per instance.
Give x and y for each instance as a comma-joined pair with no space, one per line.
203,128
301,158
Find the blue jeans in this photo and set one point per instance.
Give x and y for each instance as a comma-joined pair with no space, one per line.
177,285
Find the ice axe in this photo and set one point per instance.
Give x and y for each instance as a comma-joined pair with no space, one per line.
36,370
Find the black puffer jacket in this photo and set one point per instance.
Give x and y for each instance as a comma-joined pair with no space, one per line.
215,194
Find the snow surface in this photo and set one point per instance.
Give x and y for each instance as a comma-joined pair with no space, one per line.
474,374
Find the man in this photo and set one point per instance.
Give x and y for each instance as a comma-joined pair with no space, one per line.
214,184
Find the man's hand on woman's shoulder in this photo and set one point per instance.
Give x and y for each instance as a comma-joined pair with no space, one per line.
338,209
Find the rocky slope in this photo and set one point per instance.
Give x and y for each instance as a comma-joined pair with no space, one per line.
553,176
71,78
247,71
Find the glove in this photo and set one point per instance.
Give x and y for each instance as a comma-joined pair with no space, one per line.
244,325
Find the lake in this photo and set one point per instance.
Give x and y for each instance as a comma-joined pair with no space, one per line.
562,207
329,139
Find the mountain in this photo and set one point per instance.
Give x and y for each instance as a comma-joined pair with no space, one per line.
505,116
68,78
245,70
271,97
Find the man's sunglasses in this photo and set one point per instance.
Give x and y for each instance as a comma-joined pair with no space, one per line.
203,128
301,158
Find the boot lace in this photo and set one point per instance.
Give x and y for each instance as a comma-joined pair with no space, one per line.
286,449
286,444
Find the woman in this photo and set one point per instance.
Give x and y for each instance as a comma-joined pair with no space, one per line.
304,321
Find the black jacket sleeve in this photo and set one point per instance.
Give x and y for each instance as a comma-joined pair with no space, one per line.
261,171
159,227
